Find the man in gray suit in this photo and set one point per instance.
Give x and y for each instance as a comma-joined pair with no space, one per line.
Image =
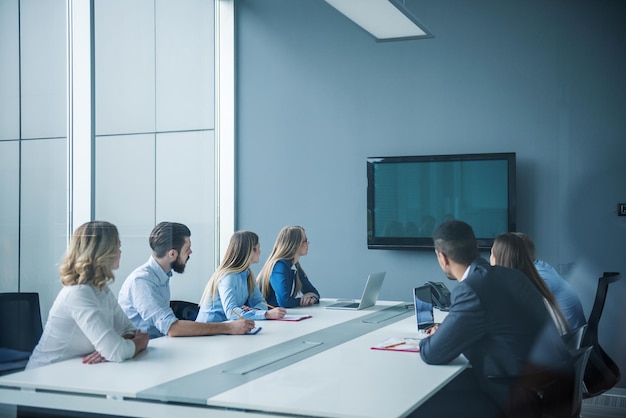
498,321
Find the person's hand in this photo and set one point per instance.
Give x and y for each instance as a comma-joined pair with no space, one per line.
430,331
93,358
275,313
141,340
240,326
308,299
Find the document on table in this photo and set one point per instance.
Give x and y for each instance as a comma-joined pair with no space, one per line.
293,317
399,344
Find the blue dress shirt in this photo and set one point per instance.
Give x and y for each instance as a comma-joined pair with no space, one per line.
145,299
232,295
564,294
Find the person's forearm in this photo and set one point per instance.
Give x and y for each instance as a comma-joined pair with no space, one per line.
287,301
283,294
183,328
138,347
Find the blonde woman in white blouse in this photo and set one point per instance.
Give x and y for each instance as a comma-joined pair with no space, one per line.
85,319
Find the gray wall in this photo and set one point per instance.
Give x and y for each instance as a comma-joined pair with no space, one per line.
317,95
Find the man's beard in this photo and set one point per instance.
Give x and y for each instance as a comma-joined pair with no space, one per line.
179,267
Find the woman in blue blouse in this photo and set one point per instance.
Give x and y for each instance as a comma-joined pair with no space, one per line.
231,292
510,250
282,279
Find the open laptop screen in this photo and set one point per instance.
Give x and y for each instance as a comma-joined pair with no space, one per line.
423,307
370,294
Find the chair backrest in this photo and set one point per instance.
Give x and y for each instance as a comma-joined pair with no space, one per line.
185,310
563,398
560,388
601,373
573,339
20,321
579,360
591,335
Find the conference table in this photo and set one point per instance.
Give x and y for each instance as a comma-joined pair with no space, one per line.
322,366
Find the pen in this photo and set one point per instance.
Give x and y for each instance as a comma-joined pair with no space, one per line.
238,314
268,305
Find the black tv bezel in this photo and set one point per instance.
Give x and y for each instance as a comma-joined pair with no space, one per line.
416,243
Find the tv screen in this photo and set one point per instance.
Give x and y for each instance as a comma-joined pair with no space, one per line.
408,197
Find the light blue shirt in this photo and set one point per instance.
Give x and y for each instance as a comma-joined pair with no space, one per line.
232,294
563,293
145,299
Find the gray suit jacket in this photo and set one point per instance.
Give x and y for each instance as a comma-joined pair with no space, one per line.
499,322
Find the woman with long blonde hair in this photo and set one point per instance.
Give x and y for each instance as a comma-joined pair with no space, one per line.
85,319
510,250
282,279
232,293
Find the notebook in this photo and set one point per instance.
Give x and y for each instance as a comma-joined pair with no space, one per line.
293,317
411,345
370,294
422,297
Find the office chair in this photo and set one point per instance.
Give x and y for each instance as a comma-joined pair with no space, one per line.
601,373
20,329
559,390
564,399
185,310
573,339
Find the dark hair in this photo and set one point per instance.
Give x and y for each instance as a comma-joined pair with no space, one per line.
456,240
168,236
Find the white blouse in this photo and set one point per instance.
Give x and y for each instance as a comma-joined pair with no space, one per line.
84,319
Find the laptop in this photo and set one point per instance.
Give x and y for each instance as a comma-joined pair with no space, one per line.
370,294
422,297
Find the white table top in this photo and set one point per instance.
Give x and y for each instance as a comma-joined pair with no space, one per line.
350,380
382,383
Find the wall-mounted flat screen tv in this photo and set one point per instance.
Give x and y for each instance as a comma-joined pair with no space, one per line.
408,197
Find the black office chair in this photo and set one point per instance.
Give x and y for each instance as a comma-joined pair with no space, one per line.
564,398
601,373
559,391
185,310
20,329
573,339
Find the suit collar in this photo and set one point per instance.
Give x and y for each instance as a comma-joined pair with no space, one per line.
479,263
